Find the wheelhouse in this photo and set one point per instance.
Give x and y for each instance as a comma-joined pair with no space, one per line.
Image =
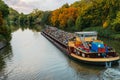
87,36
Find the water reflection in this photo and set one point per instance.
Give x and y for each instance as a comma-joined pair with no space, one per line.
34,28
5,55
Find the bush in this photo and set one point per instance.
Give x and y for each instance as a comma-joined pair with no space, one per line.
117,27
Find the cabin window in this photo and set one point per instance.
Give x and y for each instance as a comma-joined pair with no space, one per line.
90,35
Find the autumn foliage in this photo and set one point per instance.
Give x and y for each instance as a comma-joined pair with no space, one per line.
86,13
61,16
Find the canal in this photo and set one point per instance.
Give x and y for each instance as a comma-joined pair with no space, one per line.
30,56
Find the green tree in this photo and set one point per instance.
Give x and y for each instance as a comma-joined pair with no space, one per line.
79,23
30,19
4,9
37,14
116,23
21,18
13,16
1,19
34,17
117,27
70,22
45,19
65,5
4,31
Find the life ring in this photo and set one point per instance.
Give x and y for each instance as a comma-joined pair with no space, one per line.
78,52
98,54
75,50
83,55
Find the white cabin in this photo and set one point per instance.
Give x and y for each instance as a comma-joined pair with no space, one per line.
87,36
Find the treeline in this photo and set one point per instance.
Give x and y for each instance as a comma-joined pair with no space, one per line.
25,19
83,14
4,29
3,12
88,13
77,16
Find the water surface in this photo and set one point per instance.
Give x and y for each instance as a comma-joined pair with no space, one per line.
31,56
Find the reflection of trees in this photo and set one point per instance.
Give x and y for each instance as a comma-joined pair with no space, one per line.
23,27
5,53
14,28
36,28
2,63
5,32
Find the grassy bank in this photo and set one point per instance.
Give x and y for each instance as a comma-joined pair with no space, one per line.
106,33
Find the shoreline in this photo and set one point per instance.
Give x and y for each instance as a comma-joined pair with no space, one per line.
2,45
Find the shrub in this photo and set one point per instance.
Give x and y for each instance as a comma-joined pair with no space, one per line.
117,27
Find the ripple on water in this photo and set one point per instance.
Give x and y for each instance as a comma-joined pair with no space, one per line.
110,74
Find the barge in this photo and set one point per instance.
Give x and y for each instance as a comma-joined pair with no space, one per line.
82,46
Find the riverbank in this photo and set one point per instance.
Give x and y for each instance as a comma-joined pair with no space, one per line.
105,33
2,45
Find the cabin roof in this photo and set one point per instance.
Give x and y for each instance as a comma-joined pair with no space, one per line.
87,33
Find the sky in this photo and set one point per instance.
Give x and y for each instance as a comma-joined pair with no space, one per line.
27,6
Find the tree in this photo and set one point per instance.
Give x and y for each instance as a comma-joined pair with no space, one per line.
21,18
13,16
54,17
117,27
36,15
65,5
4,9
30,19
117,19
45,19
116,23
4,31
70,22
1,19
79,23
